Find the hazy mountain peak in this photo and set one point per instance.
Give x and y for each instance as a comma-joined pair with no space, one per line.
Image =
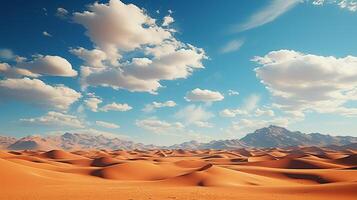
275,136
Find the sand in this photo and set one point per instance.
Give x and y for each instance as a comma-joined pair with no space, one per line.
304,173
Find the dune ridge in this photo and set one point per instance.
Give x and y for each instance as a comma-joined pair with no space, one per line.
288,173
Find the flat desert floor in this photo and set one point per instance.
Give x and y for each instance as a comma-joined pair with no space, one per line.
299,173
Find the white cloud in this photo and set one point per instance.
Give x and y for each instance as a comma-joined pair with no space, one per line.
305,82
126,26
202,124
232,92
350,5
318,2
249,104
204,95
61,13
36,92
92,103
13,72
92,58
151,107
128,29
116,107
144,74
192,114
107,124
266,112
56,119
40,65
168,20
231,46
232,112
179,63
117,80
159,126
47,34
49,65
269,13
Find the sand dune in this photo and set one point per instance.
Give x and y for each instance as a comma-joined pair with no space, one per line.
291,173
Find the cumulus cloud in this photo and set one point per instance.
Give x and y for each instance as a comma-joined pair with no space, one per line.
56,119
116,107
115,79
36,92
93,58
204,95
269,13
302,82
49,65
128,29
154,105
13,72
193,114
159,126
92,103
107,124
39,65
144,74
231,46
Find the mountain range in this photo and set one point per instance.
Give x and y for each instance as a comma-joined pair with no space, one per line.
272,136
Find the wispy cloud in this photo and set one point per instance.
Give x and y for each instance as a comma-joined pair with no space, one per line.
268,14
107,124
232,45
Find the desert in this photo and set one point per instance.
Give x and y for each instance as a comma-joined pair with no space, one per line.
270,173
178,100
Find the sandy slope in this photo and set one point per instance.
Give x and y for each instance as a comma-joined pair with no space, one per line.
309,173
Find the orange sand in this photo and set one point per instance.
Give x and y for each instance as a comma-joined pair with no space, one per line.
305,173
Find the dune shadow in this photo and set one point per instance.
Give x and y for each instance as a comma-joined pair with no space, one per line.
311,177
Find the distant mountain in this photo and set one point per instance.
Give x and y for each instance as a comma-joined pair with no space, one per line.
223,144
215,144
274,136
6,141
74,141
186,145
33,143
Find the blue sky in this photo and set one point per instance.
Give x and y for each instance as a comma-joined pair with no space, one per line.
165,72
